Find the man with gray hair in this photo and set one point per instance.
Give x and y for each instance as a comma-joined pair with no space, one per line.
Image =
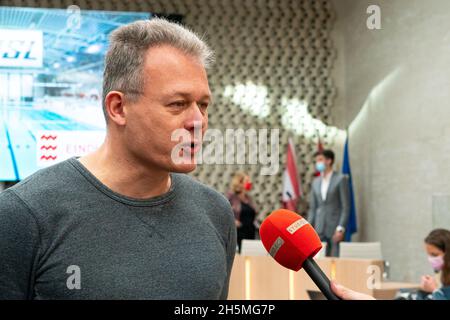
126,222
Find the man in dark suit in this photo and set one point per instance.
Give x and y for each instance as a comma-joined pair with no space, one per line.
329,202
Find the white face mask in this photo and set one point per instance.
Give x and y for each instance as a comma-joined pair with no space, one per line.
320,166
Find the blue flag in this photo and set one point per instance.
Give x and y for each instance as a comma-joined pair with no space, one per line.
352,225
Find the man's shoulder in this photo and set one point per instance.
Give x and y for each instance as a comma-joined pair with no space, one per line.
11,202
46,186
205,196
340,176
316,180
199,189
52,177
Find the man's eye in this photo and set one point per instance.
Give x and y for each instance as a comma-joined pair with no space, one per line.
203,105
178,104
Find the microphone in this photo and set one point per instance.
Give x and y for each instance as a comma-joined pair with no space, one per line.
293,243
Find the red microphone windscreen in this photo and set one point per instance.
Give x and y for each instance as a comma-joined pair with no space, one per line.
289,238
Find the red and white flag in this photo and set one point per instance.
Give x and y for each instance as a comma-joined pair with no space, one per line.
319,149
291,185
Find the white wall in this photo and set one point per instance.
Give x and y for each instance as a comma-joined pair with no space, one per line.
397,102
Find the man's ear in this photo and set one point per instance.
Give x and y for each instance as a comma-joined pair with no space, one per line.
114,104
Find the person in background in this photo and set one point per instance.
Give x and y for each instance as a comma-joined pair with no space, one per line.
437,246
243,207
329,202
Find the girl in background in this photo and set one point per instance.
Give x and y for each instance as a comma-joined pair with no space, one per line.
243,207
437,246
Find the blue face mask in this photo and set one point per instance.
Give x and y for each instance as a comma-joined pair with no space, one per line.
320,166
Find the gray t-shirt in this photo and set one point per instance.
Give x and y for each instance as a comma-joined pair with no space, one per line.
65,235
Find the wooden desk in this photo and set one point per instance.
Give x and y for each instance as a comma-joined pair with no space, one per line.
387,290
259,278
362,275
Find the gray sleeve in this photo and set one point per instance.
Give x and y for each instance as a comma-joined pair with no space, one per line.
345,201
312,206
231,251
19,241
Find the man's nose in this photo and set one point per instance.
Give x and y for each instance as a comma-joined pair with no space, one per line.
195,119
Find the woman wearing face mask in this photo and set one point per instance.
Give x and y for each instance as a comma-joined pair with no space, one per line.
243,207
437,246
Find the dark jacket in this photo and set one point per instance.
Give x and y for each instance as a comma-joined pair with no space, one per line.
443,293
326,215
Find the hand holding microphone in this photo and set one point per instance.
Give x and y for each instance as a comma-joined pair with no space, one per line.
347,294
293,243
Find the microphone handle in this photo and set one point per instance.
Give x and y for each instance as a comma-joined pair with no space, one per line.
319,278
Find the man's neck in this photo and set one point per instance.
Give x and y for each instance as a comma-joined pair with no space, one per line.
327,173
125,176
